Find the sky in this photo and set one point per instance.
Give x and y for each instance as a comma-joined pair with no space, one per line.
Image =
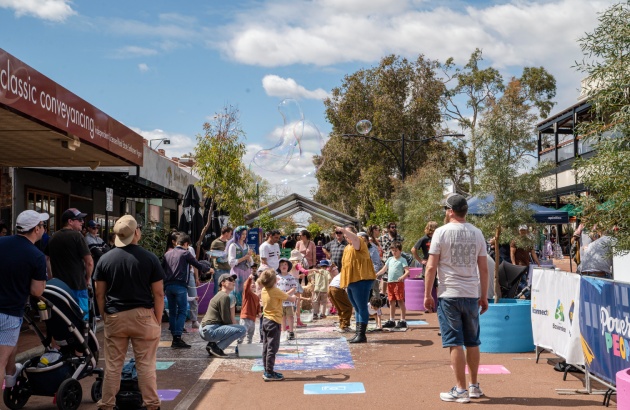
163,68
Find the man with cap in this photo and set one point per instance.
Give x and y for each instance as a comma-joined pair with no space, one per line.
522,247
458,253
130,293
217,327
70,258
23,273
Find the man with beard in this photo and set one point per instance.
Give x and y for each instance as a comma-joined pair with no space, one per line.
270,251
388,238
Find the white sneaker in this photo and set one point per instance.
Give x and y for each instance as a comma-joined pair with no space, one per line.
455,396
10,380
474,391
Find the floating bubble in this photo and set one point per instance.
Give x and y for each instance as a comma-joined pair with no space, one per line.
364,127
288,145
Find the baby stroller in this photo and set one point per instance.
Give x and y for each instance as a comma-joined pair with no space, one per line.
510,278
78,353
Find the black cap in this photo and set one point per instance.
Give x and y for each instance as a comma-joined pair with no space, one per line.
457,203
72,213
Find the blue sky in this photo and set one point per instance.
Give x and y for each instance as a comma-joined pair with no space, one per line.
164,67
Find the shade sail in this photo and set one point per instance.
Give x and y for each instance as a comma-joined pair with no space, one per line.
480,206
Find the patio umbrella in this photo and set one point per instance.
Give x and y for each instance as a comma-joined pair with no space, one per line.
191,220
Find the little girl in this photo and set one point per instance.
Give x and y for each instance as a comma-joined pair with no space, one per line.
298,272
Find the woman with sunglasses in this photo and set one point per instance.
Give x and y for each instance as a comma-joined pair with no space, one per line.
240,260
357,275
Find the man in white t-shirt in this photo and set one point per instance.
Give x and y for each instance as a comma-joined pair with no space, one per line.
457,250
270,251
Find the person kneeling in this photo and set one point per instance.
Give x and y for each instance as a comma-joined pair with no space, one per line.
217,326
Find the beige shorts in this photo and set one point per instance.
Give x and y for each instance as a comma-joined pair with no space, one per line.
287,311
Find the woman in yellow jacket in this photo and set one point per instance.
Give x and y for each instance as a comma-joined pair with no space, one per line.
357,276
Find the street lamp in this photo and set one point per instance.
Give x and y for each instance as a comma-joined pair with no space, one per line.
166,141
364,127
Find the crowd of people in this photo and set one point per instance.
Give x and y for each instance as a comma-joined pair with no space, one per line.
353,273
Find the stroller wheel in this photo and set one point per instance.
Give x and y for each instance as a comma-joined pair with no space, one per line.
17,396
97,390
69,395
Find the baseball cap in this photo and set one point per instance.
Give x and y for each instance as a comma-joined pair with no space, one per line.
324,262
93,224
226,276
457,203
72,213
363,234
523,228
28,220
124,229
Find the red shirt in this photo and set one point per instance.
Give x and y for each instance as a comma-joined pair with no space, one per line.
251,301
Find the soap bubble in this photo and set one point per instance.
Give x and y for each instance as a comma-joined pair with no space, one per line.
364,127
288,145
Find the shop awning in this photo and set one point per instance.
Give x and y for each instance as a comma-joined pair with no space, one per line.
483,206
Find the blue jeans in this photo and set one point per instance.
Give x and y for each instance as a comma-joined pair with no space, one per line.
222,335
177,297
359,295
459,321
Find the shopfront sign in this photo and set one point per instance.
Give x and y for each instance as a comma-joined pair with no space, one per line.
31,93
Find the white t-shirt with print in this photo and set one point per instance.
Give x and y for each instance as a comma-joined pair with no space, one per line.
459,245
272,253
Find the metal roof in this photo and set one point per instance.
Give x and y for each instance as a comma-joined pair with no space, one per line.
295,203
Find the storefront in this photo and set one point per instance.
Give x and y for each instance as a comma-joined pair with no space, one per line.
58,151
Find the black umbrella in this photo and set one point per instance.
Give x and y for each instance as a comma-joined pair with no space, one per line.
191,221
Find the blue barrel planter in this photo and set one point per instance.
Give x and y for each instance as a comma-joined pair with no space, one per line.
507,327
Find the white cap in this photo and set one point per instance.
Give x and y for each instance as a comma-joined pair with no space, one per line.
28,220
523,228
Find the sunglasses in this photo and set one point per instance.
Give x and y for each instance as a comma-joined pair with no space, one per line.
338,233
229,280
392,227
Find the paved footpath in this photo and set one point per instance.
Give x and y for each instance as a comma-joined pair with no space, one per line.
406,369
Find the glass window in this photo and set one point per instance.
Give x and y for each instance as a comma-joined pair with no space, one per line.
565,152
584,146
548,156
42,201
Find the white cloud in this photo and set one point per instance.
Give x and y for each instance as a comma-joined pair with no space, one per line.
52,10
328,32
288,88
143,67
180,144
134,51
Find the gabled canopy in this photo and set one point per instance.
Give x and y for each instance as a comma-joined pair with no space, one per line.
295,203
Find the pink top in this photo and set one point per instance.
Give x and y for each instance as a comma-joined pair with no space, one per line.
309,250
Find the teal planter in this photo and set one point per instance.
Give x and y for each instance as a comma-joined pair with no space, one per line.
507,327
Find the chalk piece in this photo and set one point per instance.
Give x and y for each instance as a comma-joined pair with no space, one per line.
163,365
417,323
334,388
490,369
165,343
168,395
249,351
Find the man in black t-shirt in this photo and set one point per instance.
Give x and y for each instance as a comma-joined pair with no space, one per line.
23,273
129,284
70,258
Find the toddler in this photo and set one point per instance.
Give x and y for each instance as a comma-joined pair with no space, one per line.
321,280
286,283
374,310
273,299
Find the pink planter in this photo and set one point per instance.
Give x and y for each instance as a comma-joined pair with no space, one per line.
205,293
623,389
415,273
414,294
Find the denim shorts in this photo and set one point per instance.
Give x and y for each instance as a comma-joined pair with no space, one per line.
459,321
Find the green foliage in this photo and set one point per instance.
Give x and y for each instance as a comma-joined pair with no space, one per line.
314,229
154,239
266,221
399,97
222,175
383,214
606,65
418,201
480,89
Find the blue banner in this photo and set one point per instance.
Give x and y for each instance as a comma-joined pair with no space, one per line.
605,326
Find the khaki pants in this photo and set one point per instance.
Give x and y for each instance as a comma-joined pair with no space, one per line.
320,300
340,299
141,328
